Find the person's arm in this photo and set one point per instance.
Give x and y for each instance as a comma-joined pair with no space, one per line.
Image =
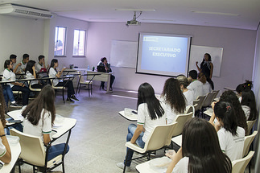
18,65
137,133
60,72
46,139
176,158
34,73
211,70
6,158
198,67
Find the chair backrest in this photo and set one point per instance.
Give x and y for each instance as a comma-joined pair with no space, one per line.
181,119
208,99
199,101
189,109
239,166
250,125
160,137
216,93
248,141
32,149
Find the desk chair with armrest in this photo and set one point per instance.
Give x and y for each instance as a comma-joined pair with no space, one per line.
159,138
239,166
83,81
250,125
62,88
33,152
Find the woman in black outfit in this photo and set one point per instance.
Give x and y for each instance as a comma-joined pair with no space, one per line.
206,67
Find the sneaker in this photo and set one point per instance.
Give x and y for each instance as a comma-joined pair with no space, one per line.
14,105
69,100
74,98
121,165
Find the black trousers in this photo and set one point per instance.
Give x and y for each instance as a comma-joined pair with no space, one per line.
112,78
25,93
69,85
211,83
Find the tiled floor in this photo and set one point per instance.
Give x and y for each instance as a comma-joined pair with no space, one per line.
98,139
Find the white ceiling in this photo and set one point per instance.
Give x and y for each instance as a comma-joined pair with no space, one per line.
244,14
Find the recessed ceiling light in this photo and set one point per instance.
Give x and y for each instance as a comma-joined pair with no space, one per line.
216,13
125,9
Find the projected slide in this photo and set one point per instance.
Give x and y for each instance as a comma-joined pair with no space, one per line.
163,54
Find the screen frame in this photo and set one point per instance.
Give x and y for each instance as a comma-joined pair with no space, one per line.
139,53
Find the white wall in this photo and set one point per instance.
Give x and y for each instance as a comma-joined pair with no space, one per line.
237,61
71,25
256,85
19,36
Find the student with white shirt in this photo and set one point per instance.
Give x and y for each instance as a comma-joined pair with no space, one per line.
150,114
22,65
189,95
13,59
206,88
204,155
195,85
8,75
56,82
30,73
39,117
230,135
5,152
173,98
248,103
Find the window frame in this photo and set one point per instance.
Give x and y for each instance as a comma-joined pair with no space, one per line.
65,41
79,30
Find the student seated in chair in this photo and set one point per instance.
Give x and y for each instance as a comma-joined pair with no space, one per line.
22,65
189,94
195,85
150,114
173,98
13,59
104,66
39,117
5,152
204,155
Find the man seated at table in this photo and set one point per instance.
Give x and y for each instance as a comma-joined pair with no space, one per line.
104,66
5,152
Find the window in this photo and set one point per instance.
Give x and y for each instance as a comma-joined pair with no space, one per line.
79,43
60,41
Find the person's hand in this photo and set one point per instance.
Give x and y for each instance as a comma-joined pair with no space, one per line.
213,105
19,64
170,154
21,84
196,62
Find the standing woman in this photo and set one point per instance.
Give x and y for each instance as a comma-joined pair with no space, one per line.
206,67
39,117
150,114
8,75
173,98
56,82
31,74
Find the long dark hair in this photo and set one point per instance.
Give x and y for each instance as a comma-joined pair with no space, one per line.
2,106
248,99
29,66
230,96
174,95
209,57
146,95
225,112
45,100
53,61
7,62
200,144
244,86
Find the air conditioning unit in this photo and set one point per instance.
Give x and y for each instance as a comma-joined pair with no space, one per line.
23,11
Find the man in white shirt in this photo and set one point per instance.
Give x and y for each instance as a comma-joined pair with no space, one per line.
195,85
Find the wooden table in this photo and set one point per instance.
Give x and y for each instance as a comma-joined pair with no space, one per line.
15,153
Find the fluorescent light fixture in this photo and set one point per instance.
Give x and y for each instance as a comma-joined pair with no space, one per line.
216,13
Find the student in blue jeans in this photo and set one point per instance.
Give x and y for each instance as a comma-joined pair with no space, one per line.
8,95
150,114
39,117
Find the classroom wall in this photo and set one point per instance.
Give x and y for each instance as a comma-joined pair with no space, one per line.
238,55
256,85
70,24
18,36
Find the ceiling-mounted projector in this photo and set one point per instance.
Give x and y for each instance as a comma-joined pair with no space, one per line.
134,22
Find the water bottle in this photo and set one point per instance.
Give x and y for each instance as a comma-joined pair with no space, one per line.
88,67
93,69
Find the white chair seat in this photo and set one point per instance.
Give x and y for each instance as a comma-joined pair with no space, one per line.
135,147
86,82
54,161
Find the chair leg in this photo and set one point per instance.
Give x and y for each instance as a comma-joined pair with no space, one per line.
91,88
126,161
63,167
79,88
63,95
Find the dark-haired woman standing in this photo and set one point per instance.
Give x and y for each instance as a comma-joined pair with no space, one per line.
206,67
39,116
230,135
150,114
204,155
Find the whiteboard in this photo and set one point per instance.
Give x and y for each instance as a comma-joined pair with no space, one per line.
123,53
197,54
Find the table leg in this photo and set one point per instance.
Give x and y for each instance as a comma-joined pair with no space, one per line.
108,84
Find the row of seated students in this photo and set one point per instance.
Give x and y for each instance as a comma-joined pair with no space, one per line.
218,142
32,70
